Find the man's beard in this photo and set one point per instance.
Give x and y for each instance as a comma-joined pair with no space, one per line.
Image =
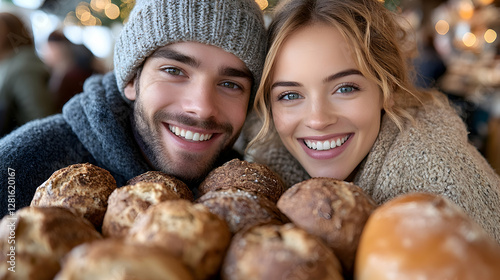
149,138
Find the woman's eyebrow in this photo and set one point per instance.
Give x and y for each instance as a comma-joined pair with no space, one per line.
285,84
325,80
342,74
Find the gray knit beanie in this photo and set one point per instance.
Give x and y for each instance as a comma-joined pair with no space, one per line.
237,26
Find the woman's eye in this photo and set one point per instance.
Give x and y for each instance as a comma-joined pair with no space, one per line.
230,85
347,89
289,96
173,71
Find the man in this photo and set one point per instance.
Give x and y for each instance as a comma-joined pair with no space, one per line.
185,74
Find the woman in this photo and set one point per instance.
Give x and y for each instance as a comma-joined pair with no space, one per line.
338,101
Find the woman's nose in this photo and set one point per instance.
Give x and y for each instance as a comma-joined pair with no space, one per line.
320,115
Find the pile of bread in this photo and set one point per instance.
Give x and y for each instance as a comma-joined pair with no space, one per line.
243,224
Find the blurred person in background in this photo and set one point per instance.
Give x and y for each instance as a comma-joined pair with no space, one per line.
24,92
429,64
70,66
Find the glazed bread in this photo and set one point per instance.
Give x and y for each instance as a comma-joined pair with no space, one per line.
169,181
244,175
336,211
83,187
40,237
186,230
279,252
242,209
125,203
425,236
113,259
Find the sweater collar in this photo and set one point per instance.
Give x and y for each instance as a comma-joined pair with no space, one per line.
101,120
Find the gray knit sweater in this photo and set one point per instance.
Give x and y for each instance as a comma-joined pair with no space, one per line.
432,155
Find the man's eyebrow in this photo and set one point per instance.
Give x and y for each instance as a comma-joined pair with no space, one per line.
171,54
236,72
342,74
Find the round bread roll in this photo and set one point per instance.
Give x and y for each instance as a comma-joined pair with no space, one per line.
425,236
246,176
334,210
279,252
242,209
125,203
35,239
83,187
169,181
112,259
188,231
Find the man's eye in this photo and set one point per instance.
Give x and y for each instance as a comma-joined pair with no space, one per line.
230,85
289,96
173,71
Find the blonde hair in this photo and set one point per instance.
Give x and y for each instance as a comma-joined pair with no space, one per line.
378,41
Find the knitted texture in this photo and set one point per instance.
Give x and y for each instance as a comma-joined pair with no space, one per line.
432,155
237,26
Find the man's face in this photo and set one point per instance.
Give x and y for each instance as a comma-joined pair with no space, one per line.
191,101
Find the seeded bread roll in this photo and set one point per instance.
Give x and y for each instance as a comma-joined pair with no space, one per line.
169,181
188,231
334,210
279,252
246,176
425,236
125,203
242,209
83,187
113,259
34,240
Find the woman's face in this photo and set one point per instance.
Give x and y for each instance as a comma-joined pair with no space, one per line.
325,111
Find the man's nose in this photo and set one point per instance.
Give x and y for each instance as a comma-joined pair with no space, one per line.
201,101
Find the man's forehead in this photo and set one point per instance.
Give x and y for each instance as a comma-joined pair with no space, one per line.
188,52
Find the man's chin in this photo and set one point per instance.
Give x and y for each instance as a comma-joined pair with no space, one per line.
187,171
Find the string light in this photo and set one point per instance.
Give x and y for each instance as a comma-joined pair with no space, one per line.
469,39
442,27
490,36
262,4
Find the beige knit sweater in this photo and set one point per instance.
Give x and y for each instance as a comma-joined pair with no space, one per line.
431,155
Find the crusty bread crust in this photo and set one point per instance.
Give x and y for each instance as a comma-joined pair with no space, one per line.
83,187
244,175
334,210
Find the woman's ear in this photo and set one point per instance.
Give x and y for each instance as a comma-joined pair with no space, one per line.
130,91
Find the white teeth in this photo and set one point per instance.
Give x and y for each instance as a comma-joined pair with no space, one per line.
189,135
325,145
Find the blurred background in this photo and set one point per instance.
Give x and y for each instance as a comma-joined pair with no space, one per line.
458,50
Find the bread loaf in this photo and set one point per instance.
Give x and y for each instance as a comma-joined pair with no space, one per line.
186,230
244,175
169,181
83,187
242,209
336,211
112,259
35,239
279,252
425,236
125,203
